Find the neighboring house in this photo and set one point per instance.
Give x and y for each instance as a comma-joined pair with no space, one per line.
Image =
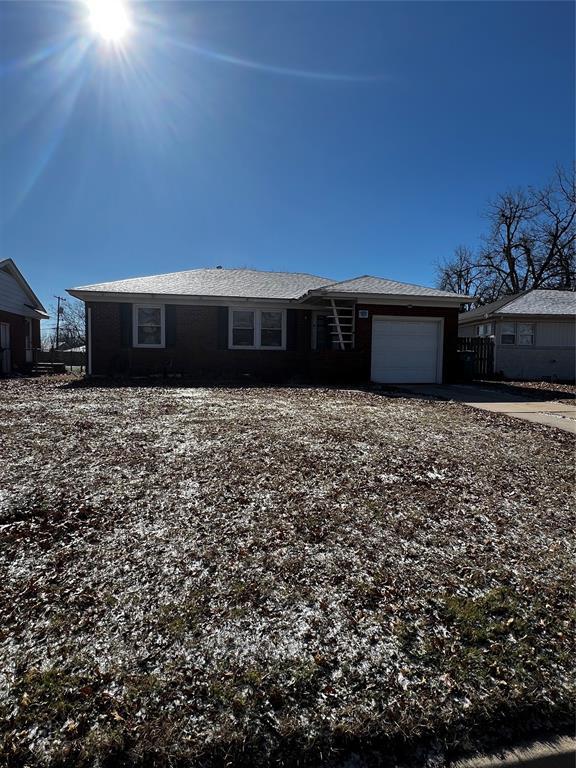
20,315
228,323
534,333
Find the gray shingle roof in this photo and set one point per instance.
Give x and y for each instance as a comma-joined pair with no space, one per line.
368,284
536,302
487,309
240,283
254,284
543,302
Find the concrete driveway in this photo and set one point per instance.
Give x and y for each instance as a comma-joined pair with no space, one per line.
550,413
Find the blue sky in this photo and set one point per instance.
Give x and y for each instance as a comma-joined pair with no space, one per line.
335,138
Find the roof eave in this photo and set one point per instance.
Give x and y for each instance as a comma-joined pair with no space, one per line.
41,315
124,296
404,298
463,320
21,280
315,293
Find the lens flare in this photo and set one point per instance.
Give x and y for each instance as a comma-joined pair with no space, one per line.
109,19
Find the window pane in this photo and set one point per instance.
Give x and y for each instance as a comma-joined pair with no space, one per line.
271,337
507,338
508,328
525,339
272,320
323,340
243,337
149,334
525,328
242,319
149,316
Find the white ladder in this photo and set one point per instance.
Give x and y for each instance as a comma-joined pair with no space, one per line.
341,324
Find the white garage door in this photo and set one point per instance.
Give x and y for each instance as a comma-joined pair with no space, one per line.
405,351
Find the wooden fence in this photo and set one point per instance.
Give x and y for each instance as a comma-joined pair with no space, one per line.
66,356
483,349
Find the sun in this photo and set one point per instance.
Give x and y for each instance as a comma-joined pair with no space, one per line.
109,19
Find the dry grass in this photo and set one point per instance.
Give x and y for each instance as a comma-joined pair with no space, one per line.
540,390
276,577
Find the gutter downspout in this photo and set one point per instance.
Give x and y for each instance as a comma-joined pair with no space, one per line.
89,341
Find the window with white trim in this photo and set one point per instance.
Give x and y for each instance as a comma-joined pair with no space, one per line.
525,334
508,333
485,329
149,325
257,329
243,328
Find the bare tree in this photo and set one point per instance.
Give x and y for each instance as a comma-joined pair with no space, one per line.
530,243
555,233
73,324
459,273
508,244
72,331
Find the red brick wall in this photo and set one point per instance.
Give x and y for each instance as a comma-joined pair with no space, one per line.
18,337
196,349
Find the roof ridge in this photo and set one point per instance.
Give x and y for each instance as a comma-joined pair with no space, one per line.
212,269
351,280
515,296
388,280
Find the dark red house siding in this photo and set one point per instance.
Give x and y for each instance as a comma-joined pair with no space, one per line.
17,325
449,315
197,345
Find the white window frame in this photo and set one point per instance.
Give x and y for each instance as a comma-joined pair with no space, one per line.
507,333
518,334
257,328
135,308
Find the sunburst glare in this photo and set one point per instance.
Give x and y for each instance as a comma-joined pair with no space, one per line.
109,19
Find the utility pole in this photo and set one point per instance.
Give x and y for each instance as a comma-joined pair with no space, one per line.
59,312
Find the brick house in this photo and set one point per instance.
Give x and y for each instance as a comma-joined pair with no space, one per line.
20,314
233,323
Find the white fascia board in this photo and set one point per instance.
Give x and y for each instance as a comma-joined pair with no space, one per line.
511,316
402,300
167,298
38,314
308,300
390,298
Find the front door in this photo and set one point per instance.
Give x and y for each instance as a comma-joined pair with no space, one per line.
4,348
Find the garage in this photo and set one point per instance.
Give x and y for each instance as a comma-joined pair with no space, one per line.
406,350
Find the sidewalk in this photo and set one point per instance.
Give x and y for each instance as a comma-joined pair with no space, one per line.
549,413
558,754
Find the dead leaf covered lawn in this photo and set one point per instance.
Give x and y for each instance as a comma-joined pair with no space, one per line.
195,575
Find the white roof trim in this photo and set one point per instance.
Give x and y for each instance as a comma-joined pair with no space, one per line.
9,266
